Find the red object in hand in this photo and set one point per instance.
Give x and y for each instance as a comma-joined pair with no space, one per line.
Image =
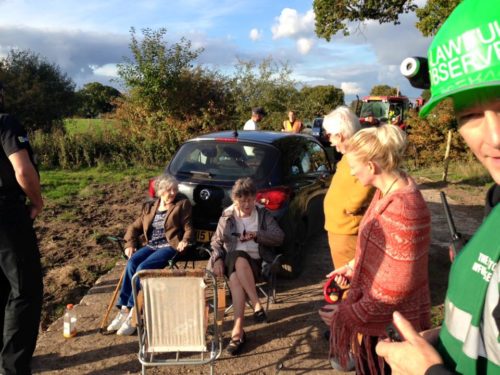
332,291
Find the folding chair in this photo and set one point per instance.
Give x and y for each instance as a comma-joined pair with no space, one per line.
172,326
191,254
266,284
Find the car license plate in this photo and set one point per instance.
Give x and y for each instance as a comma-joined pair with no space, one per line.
203,235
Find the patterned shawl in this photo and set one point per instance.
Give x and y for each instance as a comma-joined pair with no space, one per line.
391,273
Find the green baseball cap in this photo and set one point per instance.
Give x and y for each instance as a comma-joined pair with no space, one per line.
465,53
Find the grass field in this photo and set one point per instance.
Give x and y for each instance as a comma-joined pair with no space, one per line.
470,173
84,125
60,185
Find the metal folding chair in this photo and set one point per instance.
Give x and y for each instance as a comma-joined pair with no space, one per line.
266,284
172,324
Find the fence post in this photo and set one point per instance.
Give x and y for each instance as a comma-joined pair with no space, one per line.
447,157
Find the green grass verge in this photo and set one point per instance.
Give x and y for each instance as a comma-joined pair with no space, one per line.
64,184
86,125
467,172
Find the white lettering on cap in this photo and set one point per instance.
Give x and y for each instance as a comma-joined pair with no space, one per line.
472,51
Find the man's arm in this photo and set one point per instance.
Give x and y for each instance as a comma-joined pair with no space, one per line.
28,179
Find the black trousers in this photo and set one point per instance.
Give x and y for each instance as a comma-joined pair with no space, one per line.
21,289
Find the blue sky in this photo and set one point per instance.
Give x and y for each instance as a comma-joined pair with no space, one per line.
88,38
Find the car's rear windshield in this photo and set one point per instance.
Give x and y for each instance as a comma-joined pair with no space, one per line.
224,160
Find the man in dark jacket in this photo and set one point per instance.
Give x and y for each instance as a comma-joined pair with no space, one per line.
21,287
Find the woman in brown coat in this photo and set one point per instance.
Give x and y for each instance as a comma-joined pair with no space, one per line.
245,237
166,226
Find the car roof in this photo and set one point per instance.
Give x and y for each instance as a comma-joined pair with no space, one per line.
249,135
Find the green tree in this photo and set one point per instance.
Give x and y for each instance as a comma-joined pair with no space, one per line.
95,99
268,85
383,90
38,92
320,100
433,14
427,137
154,72
333,16
204,99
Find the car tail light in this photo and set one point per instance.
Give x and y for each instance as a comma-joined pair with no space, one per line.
273,199
152,192
227,140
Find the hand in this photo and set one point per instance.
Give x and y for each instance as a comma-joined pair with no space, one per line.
182,246
218,268
129,251
326,313
248,236
413,356
345,274
34,210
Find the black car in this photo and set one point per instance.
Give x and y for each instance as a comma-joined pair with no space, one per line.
318,132
292,173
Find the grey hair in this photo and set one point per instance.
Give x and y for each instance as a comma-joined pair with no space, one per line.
243,187
341,121
165,182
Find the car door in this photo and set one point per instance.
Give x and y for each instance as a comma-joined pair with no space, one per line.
308,173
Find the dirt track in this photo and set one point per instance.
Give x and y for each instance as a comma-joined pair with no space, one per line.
290,343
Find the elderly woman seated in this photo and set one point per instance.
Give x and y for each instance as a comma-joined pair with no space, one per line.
245,237
165,223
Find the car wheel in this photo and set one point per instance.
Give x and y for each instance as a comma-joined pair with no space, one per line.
293,254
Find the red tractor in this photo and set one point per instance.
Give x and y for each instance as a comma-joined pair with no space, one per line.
376,110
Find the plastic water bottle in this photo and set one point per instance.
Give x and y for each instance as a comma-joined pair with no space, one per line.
69,328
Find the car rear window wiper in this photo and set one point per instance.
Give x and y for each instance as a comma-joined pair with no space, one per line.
205,174
201,173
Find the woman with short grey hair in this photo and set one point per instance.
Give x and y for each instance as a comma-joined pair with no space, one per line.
343,211
166,225
165,182
341,121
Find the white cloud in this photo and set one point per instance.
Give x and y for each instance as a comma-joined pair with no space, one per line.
107,70
304,45
255,34
351,88
291,24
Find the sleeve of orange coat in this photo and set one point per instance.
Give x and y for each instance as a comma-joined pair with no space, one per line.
359,197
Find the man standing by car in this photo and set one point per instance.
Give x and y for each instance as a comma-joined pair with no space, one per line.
258,114
21,286
292,125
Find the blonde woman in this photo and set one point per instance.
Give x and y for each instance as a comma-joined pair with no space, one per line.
389,270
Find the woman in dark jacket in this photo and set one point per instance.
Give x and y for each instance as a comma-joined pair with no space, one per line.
245,237
166,226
